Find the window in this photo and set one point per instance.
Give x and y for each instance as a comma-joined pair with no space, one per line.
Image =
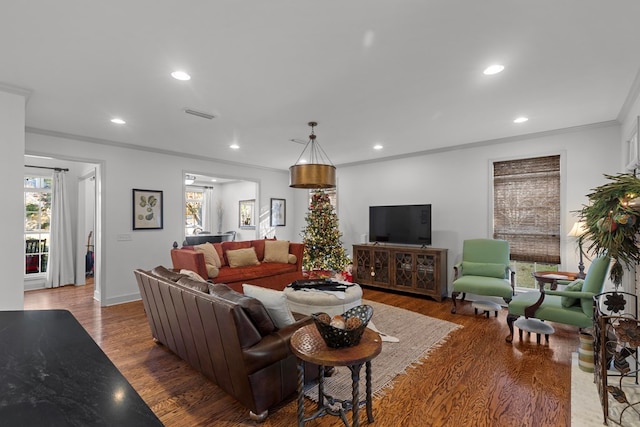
193,211
37,214
526,213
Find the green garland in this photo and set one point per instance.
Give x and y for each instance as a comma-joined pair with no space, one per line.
612,223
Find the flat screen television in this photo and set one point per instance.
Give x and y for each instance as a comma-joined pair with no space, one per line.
406,224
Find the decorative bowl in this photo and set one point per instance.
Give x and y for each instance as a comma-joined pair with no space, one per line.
339,338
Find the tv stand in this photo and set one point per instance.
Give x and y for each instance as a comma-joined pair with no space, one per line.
417,270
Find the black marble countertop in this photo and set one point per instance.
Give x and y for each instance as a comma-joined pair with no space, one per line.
52,373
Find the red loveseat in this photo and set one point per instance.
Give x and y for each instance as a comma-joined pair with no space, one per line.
273,275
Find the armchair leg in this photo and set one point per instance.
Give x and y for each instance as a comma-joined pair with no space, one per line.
510,319
454,297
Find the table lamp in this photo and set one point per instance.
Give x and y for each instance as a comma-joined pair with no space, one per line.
579,228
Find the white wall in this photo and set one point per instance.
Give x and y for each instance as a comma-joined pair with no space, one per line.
458,185
12,140
122,169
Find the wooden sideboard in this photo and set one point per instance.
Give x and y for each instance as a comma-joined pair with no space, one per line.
402,268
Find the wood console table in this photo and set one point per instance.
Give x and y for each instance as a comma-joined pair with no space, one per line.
53,373
402,268
308,346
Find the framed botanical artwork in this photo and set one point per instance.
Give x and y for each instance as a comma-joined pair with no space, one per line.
278,212
247,213
147,209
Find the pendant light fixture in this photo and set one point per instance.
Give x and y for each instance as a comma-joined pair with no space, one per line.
317,171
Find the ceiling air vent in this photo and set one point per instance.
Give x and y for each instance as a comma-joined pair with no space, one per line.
199,113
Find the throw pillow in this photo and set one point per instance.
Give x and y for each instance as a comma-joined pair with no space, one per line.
274,301
276,251
210,254
575,286
192,274
292,259
242,257
485,269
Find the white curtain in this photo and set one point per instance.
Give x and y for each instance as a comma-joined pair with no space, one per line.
60,266
208,210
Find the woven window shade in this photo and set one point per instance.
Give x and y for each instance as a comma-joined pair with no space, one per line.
526,208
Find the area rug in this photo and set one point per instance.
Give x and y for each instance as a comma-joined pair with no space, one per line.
586,410
417,334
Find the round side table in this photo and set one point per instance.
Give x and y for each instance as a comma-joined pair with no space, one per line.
308,346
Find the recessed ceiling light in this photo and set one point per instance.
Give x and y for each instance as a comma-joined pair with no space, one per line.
377,147
118,121
234,146
214,180
302,161
493,69
520,120
180,75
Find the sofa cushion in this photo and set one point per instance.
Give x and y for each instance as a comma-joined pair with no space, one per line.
210,254
253,307
165,273
259,247
575,286
242,257
218,247
274,301
246,274
276,251
196,285
292,258
231,246
484,269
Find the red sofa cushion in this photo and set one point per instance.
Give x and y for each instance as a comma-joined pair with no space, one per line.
238,274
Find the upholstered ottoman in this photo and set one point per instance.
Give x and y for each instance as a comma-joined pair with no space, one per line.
310,301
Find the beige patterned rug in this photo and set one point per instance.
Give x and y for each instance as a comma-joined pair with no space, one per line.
418,335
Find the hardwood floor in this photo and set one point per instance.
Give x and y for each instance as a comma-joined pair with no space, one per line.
475,379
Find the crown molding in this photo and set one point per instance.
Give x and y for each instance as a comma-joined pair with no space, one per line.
488,142
110,143
16,90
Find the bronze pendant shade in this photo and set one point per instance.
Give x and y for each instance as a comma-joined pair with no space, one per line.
317,172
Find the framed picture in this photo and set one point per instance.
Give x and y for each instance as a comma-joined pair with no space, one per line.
278,212
247,213
147,209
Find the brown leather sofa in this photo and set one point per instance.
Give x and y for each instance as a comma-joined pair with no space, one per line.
274,275
225,335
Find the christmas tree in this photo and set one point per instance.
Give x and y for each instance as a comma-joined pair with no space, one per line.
322,246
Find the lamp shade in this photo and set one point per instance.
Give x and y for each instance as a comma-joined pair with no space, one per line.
578,229
318,173
312,175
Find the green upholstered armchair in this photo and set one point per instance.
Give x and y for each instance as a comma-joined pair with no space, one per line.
571,306
484,270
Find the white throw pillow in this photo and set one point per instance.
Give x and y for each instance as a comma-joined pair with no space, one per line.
192,274
274,301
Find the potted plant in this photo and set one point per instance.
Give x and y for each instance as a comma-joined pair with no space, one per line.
612,223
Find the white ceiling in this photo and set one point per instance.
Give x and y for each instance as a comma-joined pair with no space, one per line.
406,74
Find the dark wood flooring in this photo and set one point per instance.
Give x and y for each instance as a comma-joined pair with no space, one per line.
475,379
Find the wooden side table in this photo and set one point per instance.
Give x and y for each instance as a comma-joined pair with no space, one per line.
308,346
552,277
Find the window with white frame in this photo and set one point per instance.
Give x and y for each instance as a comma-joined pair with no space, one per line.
194,198
37,222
